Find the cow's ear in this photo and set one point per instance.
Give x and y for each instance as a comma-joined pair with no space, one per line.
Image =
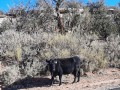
47,61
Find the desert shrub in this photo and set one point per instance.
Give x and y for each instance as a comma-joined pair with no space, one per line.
102,25
95,56
11,46
113,50
22,51
10,75
117,20
6,25
32,50
77,21
32,66
64,45
31,19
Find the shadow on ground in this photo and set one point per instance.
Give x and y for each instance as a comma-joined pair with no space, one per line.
28,83
115,89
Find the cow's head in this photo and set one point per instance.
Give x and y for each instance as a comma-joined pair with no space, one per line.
52,64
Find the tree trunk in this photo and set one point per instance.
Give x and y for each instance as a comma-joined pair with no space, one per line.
59,18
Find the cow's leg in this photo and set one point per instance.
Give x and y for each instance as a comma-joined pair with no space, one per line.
52,80
75,75
78,76
60,80
60,75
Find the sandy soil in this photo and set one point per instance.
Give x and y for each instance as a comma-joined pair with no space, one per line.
104,80
110,78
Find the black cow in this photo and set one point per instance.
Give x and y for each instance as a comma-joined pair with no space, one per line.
64,66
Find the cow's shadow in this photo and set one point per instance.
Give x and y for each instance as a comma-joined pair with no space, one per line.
31,83
28,83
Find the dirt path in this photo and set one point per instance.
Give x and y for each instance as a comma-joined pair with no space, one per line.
105,80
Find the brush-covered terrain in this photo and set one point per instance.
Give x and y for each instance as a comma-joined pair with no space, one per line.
33,33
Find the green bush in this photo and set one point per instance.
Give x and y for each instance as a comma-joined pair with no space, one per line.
101,23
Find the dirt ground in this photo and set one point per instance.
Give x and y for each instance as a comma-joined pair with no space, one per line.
104,80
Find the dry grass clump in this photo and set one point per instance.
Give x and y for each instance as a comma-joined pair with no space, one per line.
96,58
64,45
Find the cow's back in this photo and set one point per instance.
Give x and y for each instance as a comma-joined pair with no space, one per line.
68,64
